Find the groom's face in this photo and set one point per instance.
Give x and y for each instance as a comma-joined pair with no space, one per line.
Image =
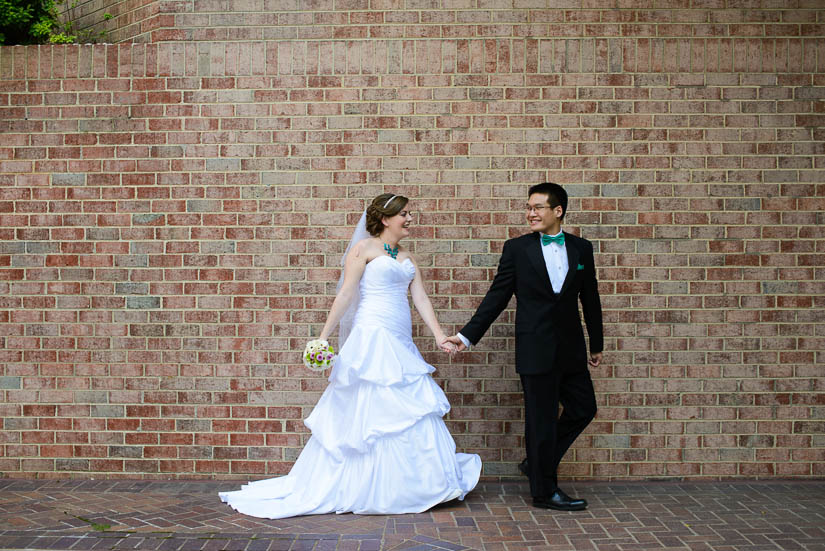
541,217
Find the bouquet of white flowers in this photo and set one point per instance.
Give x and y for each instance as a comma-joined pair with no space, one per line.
318,355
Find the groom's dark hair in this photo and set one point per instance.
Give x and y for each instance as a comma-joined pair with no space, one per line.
555,195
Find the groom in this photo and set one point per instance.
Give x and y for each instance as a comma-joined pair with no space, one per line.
549,271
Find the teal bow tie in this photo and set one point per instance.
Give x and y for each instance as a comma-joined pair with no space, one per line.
547,239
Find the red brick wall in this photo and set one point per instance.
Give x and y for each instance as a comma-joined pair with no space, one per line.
116,20
172,217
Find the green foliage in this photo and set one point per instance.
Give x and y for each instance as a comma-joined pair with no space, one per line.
15,15
36,22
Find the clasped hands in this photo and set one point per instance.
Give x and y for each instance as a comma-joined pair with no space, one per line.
451,345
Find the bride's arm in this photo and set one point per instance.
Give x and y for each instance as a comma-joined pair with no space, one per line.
425,309
353,270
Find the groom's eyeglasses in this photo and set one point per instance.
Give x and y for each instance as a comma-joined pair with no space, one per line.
538,209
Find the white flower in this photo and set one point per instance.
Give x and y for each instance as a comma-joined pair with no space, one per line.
318,355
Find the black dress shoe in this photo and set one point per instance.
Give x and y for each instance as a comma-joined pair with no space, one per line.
560,502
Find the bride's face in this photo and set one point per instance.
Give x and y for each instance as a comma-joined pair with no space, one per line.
399,225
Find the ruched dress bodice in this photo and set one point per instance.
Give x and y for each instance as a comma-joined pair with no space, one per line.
383,295
379,444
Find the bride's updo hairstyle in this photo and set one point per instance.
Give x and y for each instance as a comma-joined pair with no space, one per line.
386,204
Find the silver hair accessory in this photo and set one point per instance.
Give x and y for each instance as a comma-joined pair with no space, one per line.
389,200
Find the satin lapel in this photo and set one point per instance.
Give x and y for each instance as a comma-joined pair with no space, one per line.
572,262
537,258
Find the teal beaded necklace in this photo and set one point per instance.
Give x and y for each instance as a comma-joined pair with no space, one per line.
392,251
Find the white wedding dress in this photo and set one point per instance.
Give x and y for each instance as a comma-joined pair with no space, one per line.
378,444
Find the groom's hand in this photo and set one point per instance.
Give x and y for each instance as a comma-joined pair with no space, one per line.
459,344
595,359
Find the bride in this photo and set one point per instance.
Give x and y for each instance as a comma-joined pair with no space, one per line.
379,444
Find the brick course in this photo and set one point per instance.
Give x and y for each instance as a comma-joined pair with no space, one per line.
173,211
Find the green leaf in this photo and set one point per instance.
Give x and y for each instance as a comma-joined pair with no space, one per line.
63,38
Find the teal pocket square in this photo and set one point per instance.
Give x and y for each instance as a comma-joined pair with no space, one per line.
580,267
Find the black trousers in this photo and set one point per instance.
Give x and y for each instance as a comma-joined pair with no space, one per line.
548,436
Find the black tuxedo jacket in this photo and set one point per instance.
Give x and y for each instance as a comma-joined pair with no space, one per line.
548,327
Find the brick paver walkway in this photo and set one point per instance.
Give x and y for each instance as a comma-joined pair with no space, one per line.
188,516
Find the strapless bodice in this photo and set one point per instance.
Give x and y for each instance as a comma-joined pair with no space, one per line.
383,290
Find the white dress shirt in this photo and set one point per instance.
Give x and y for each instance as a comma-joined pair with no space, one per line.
555,258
